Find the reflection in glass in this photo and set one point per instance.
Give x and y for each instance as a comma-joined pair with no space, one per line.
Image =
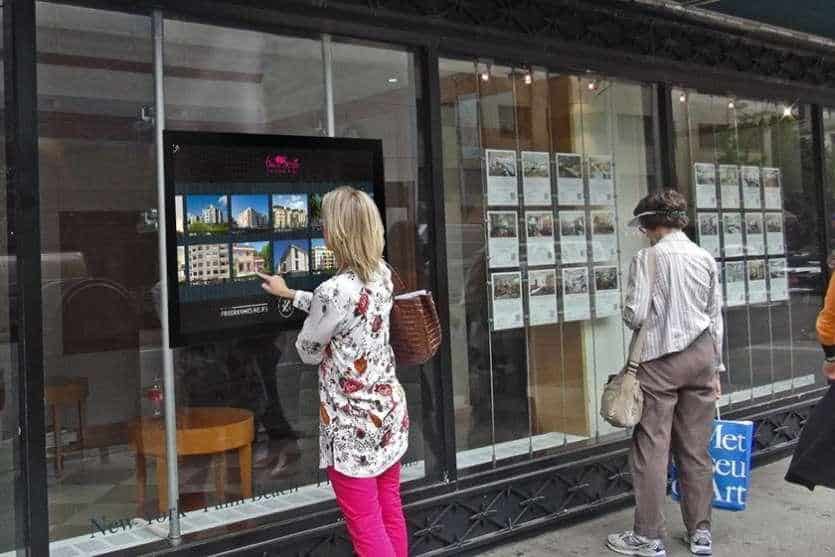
98,202
762,156
527,384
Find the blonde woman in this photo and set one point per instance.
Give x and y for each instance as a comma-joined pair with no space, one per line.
364,425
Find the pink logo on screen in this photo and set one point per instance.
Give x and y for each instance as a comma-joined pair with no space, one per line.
282,165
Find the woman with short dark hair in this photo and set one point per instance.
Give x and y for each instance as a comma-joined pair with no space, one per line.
679,305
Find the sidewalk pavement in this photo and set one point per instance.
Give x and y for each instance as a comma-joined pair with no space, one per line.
782,520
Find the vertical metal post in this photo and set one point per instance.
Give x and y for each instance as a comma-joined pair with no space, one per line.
23,205
167,357
430,101
665,139
327,62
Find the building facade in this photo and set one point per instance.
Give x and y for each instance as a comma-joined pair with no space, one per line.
208,262
294,260
248,261
250,218
322,259
285,218
517,139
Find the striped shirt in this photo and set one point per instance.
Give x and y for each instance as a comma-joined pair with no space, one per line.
686,299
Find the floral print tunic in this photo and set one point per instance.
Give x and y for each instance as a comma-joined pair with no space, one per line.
363,420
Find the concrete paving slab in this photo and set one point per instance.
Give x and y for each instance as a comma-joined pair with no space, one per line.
782,520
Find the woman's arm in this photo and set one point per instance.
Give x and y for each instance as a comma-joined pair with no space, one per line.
637,300
717,325
326,309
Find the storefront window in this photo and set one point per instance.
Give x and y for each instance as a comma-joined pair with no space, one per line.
98,201
746,167
541,172
220,79
102,336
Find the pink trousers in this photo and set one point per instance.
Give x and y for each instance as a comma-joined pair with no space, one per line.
373,512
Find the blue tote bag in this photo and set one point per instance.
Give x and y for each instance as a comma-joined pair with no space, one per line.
730,448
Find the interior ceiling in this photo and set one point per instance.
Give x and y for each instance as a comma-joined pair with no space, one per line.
816,17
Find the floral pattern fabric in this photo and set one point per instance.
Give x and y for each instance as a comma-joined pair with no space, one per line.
363,420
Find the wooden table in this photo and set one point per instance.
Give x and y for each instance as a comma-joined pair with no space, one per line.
66,391
200,431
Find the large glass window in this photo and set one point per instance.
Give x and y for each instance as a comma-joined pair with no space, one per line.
107,483
541,173
220,79
98,198
746,167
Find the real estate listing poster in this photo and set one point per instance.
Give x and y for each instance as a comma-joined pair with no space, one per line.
729,186
705,179
601,180
709,233
502,184
773,187
238,205
754,234
536,178
775,244
735,283
603,239
751,187
576,299
573,244
778,281
606,291
542,297
503,230
539,227
732,234
570,189
757,291
508,312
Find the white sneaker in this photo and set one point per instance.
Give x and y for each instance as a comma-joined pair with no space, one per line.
701,542
629,543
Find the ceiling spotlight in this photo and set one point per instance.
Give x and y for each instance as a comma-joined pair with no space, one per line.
682,98
787,112
592,85
485,74
392,80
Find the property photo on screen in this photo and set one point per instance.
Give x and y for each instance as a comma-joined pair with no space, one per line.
207,214
179,215
208,264
322,260
290,212
316,210
292,257
181,264
250,212
251,258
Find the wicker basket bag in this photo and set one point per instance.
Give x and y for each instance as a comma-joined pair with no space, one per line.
415,327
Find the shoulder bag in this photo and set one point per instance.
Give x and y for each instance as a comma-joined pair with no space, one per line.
622,402
415,329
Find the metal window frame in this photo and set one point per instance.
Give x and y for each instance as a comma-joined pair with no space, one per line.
24,194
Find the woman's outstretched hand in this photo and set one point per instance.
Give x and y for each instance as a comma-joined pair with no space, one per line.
275,285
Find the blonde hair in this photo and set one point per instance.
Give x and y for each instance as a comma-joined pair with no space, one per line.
354,231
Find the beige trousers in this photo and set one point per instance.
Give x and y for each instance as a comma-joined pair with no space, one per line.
679,405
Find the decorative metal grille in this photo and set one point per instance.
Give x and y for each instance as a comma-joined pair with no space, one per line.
484,515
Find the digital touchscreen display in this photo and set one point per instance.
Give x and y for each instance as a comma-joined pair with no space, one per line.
240,204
